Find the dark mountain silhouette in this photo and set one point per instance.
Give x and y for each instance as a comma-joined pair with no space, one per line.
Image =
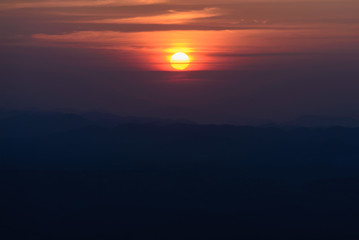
30,124
323,121
108,119
94,176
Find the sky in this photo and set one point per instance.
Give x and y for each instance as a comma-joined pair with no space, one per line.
250,60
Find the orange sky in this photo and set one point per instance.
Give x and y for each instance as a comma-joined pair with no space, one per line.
217,34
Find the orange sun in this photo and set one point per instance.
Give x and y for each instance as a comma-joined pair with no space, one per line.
180,61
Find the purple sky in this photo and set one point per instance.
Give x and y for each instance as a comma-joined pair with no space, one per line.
250,59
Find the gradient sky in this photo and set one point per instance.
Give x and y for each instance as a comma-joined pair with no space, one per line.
268,59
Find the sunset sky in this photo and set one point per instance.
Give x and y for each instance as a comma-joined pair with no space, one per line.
250,60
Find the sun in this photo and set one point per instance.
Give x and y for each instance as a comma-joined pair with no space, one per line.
180,61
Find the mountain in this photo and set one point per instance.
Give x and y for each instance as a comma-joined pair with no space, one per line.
30,124
323,121
109,119
99,176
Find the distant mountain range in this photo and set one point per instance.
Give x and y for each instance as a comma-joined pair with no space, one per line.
323,121
37,122
95,176
34,123
110,119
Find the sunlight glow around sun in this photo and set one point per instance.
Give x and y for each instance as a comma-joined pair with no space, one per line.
180,61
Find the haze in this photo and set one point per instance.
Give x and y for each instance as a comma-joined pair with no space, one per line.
252,60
